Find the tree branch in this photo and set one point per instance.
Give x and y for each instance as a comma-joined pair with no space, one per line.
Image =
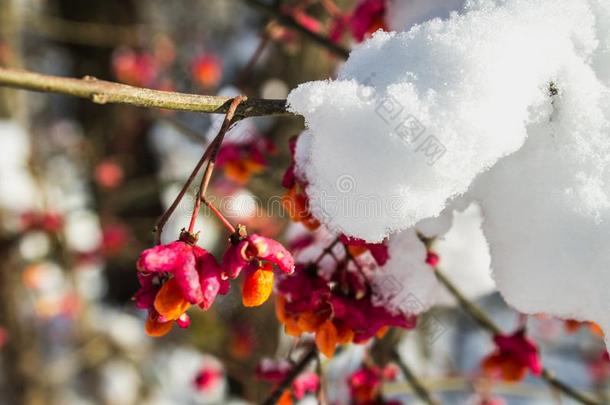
294,373
289,21
488,324
104,92
420,389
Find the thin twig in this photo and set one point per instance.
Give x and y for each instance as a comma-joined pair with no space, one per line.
327,250
158,229
227,224
105,92
247,70
289,21
488,324
477,313
331,8
350,257
418,387
215,148
298,368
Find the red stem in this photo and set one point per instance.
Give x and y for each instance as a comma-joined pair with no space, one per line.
219,215
215,148
168,213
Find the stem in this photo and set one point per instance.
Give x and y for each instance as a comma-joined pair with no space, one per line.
350,257
168,213
550,378
420,389
227,224
247,70
104,92
298,368
215,148
289,21
477,313
486,323
331,8
326,251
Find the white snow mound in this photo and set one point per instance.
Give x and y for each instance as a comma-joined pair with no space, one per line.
413,117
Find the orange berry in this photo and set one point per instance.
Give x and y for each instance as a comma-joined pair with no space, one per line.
572,325
170,302
155,328
285,399
258,287
291,327
382,331
357,250
596,329
326,338
309,321
513,371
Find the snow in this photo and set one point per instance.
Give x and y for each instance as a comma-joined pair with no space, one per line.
601,59
547,210
464,257
408,284
405,283
391,142
515,95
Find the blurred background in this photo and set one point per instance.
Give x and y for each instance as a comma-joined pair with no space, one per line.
81,186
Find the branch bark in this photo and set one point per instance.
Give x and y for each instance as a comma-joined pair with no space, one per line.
105,92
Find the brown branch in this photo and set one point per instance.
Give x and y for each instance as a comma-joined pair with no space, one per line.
245,73
327,250
298,368
477,313
418,387
488,324
290,22
105,92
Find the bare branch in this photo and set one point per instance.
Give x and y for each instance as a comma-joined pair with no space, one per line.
298,368
418,387
104,92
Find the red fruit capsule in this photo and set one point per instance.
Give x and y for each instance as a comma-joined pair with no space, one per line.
432,259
